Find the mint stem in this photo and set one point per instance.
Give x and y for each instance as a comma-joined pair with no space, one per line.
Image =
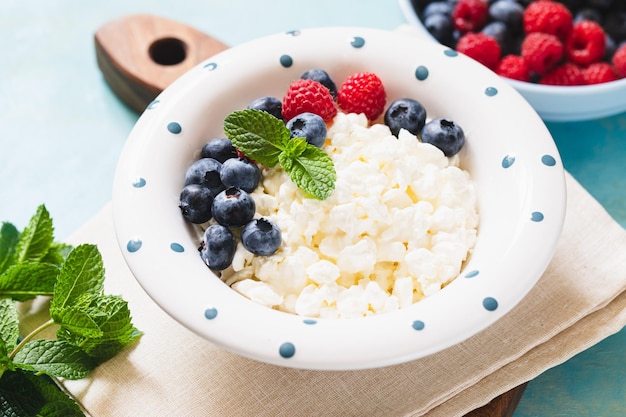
29,337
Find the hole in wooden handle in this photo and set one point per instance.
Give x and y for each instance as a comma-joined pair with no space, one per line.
168,51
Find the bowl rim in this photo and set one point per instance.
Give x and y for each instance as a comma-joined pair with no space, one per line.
254,335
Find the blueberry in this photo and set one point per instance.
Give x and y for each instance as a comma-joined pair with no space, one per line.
195,203
205,171
500,32
441,28
240,173
437,7
233,207
217,248
268,104
508,12
261,237
309,126
323,78
219,149
444,134
615,25
405,113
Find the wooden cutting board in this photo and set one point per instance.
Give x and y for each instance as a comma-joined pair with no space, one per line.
140,55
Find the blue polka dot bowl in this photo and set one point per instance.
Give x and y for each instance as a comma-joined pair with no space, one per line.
553,103
509,153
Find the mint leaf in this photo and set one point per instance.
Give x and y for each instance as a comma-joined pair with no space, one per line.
313,171
57,253
9,324
56,358
295,147
257,134
28,280
19,395
112,316
73,320
36,238
9,236
82,273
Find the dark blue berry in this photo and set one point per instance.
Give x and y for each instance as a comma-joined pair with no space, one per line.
195,203
268,104
205,171
508,12
233,207
437,7
217,248
444,134
240,173
405,113
500,32
323,78
441,28
309,126
261,237
615,25
219,149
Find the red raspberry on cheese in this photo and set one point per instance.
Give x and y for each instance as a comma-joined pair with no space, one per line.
542,52
362,92
547,16
586,43
308,96
481,47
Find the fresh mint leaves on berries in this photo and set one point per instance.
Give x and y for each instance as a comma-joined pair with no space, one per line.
90,326
568,42
265,139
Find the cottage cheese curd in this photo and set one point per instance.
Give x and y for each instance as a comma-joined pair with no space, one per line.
397,228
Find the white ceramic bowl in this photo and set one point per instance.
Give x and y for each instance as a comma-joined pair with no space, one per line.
554,103
509,153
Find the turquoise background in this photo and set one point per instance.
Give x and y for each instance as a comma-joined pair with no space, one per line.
62,130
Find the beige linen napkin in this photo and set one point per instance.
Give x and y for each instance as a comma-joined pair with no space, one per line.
171,372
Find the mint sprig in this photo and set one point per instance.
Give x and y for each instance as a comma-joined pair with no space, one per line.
265,139
91,327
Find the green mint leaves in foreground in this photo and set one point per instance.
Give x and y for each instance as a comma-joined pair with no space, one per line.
91,327
265,139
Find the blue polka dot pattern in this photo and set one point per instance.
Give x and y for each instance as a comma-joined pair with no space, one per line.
418,325
210,313
139,183
174,128
210,66
536,216
177,247
286,61
472,274
450,52
133,245
153,104
490,304
287,350
309,321
357,42
491,91
548,160
293,33
421,73
508,161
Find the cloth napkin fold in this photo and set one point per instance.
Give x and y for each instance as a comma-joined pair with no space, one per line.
579,300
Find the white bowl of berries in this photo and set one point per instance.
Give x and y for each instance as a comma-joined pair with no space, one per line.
567,58
313,199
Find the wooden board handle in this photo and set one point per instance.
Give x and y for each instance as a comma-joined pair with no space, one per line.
140,55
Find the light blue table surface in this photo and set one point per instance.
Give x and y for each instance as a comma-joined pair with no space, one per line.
62,130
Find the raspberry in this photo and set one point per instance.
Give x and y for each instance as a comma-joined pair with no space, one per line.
542,51
585,43
470,15
599,72
514,67
308,96
362,92
483,48
546,16
619,61
566,74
